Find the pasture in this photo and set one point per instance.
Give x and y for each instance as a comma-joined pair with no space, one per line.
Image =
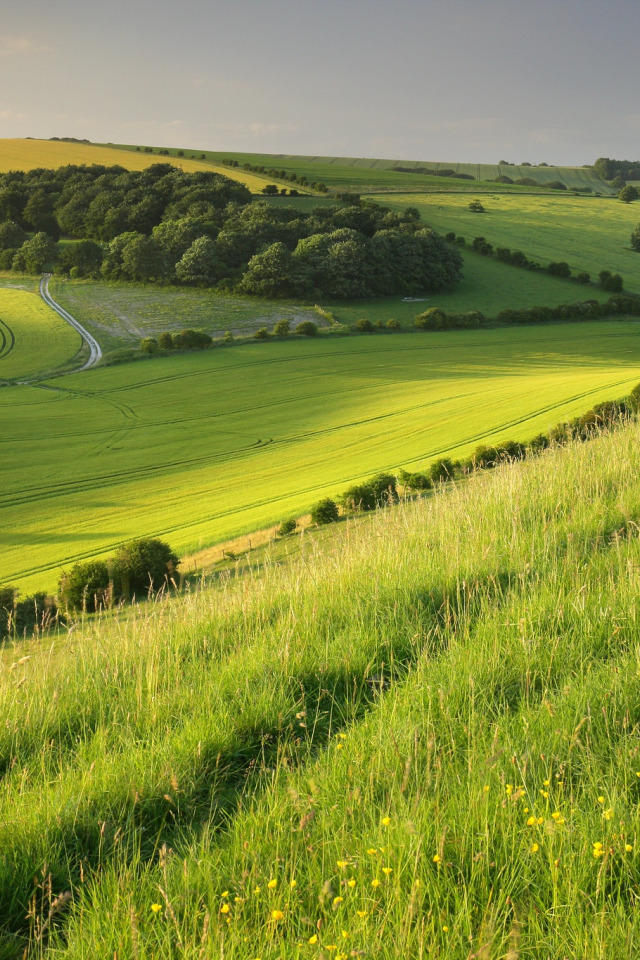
34,340
590,233
420,740
202,447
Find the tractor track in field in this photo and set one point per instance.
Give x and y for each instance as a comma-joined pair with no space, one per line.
8,339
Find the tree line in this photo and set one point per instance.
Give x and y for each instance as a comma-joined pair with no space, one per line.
162,225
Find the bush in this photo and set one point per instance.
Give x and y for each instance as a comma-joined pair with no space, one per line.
325,511
282,328
393,324
287,527
228,336
628,194
414,481
307,328
583,277
191,340
86,586
261,334
431,319
165,341
364,325
635,239
559,269
476,207
360,496
442,469
149,345
143,565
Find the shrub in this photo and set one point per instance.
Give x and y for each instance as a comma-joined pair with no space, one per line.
476,207
325,511
261,334
228,336
360,496
559,269
431,319
191,340
287,527
143,565
165,341
364,325
612,283
635,239
85,586
628,194
282,328
393,324
442,469
557,185
149,345
583,277
414,481
307,328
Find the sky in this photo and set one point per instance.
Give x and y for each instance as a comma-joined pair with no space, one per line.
554,81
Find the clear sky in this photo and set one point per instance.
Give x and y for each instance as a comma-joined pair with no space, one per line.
459,80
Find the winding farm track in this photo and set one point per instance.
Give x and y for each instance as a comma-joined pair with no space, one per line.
95,353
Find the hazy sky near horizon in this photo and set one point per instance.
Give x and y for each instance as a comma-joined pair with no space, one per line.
459,80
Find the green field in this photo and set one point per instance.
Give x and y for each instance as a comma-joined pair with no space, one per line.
590,233
121,314
419,741
201,447
34,340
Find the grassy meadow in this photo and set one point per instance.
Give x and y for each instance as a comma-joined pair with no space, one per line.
34,340
420,740
590,233
205,446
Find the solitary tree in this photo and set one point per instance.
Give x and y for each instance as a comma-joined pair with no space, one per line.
628,194
635,238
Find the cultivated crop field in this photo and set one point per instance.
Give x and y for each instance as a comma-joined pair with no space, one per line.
201,447
34,340
590,233
419,741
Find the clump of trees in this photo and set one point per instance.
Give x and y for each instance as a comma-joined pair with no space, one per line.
635,239
23,615
611,169
138,568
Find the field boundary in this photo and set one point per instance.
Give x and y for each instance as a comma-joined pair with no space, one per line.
95,353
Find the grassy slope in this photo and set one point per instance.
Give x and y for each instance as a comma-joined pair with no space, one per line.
590,233
460,666
205,446
34,340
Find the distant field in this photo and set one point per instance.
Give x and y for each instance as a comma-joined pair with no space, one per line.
29,154
205,446
33,338
590,233
121,314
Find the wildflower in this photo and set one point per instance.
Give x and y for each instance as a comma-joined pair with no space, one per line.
156,907
238,899
351,883
225,893
555,815
445,929
600,799
337,900
540,820
331,946
361,913
485,789
437,858
628,847
598,852
597,844
608,814
339,746
277,914
526,809
534,848
342,863
387,870
345,935
371,851
509,789
293,883
272,884
257,889
545,793
531,821
313,940
375,882
545,783
225,908
386,821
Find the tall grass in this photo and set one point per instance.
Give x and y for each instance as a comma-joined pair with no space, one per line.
419,740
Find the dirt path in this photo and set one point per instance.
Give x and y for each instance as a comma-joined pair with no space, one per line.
95,353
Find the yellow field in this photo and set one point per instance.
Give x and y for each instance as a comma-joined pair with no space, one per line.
29,154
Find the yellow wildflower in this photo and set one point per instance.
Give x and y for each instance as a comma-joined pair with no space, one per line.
545,793
437,858
277,914
225,893
342,863
540,820
361,913
375,882
534,848
272,884
371,850
628,847
313,940
387,870
445,929
386,821
156,907
531,821
293,883
509,789
225,908
545,783
608,814
337,900
351,883
485,789
257,890
600,799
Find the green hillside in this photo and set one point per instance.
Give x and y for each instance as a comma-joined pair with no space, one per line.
419,740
